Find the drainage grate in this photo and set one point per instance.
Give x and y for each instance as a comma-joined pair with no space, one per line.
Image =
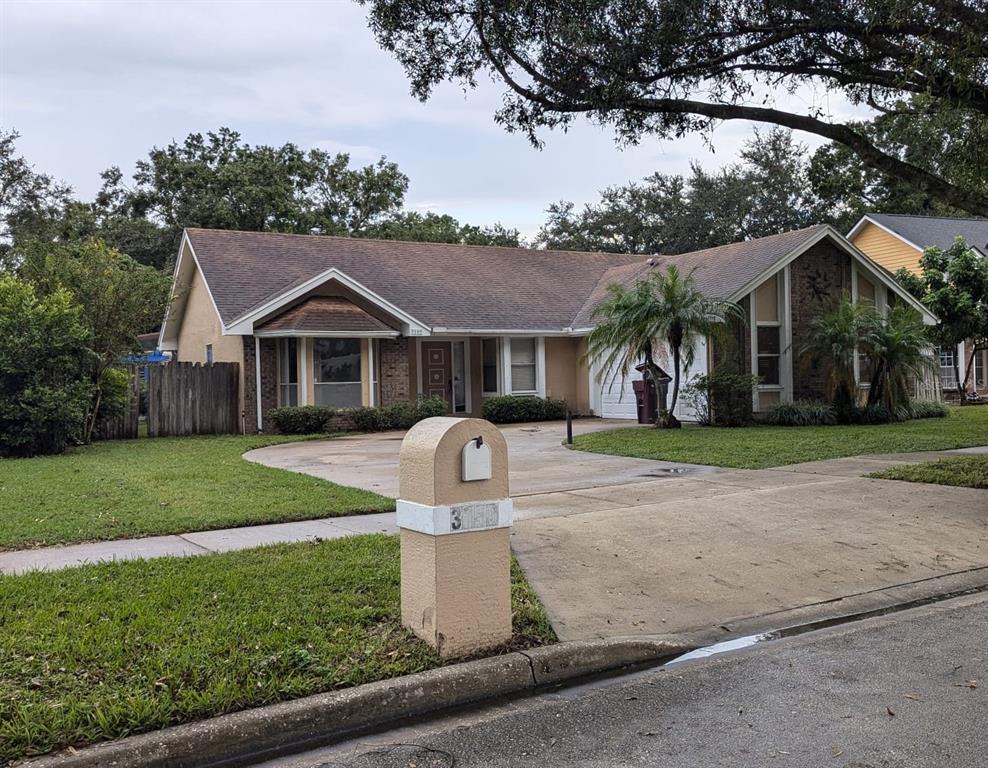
666,471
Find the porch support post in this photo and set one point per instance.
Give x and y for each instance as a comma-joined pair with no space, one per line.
303,370
370,372
257,379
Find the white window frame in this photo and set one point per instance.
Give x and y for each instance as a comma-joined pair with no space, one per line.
539,366
784,324
948,352
282,356
360,378
980,381
485,393
881,306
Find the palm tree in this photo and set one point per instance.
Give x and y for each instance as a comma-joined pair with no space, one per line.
665,307
835,336
899,350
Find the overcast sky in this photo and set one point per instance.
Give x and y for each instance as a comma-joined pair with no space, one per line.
95,84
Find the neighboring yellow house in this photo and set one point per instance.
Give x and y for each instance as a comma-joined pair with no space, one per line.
897,241
346,322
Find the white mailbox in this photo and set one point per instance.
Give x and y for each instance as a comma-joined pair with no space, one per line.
476,460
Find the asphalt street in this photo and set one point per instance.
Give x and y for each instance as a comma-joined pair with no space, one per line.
906,689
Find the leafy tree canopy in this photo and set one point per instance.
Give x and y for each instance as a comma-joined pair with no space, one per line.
119,299
767,192
440,228
671,67
950,143
954,285
217,180
43,390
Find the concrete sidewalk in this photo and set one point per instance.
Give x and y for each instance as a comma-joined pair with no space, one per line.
199,543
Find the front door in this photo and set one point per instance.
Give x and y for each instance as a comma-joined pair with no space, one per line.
437,370
444,373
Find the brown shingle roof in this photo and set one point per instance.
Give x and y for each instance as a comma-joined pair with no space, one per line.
325,314
455,286
461,286
719,272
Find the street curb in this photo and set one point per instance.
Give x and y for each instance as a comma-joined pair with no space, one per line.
246,737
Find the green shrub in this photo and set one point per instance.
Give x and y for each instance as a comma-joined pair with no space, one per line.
721,398
928,409
397,416
802,413
872,414
510,409
44,385
301,419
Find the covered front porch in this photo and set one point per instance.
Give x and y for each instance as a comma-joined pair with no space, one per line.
329,351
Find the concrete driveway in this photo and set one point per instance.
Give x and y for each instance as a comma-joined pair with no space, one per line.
617,546
537,460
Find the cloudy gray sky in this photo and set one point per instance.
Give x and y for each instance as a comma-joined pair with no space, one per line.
94,84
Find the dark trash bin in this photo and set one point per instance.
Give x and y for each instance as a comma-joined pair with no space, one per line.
649,393
646,400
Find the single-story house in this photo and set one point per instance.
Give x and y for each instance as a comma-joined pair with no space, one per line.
895,241
348,321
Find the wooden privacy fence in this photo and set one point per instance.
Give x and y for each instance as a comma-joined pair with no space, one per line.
193,399
123,426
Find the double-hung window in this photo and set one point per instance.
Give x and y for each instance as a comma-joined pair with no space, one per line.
768,342
524,378
489,355
948,376
287,372
867,296
336,369
979,368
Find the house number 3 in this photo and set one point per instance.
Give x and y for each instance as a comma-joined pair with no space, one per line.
455,522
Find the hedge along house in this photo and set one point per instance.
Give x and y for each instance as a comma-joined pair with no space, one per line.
897,241
346,322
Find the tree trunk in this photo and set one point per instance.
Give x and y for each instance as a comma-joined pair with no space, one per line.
670,421
961,385
967,373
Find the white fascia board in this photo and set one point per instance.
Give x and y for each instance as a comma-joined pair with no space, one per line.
244,325
180,264
787,259
565,332
176,271
856,255
868,220
209,292
328,334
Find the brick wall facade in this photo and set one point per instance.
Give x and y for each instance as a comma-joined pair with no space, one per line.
269,383
395,375
817,279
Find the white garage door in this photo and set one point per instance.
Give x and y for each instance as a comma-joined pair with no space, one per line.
617,398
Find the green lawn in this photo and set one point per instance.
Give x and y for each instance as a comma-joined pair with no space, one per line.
126,488
763,446
102,651
966,471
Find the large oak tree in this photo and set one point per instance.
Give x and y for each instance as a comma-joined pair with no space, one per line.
670,67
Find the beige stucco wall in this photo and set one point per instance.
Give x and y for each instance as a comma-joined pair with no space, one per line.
201,326
886,249
566,378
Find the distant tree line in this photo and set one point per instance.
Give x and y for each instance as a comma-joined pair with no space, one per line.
219,181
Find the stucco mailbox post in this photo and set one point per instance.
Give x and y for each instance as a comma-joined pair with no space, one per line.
454,517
